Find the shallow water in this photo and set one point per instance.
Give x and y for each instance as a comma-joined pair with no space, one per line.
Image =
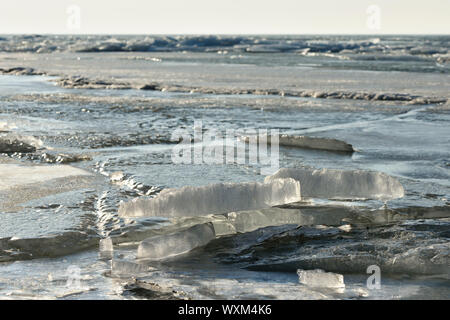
105,131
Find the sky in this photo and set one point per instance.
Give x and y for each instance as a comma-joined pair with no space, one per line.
225,16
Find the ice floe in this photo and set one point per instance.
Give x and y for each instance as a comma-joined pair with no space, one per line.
309,143
344,184
214,199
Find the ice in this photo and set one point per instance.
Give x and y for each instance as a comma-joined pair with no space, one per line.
343,184
106,246
169,245
122,268
246,221
310,143
13,175
214,199
320,279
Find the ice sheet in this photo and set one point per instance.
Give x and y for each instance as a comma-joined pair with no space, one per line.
12,175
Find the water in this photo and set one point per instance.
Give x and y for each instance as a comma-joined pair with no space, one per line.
49,229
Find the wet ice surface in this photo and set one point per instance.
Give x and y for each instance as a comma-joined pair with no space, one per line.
129,131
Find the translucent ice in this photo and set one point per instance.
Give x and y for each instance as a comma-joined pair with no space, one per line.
246,221
169,245
347,184
106,248
320,279
214,199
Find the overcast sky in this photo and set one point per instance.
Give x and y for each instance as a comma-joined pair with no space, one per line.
225,16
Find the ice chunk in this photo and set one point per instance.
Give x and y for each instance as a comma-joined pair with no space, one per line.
347,184
309,143
320,279
106,245
169,245
214,199
106,249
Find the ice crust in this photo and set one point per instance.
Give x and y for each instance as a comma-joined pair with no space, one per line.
169,245
346,184
214,199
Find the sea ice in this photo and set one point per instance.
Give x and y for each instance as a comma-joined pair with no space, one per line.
12,175
343,184
320,279
169,245
214,199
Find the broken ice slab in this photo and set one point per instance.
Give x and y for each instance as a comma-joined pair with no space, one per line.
306,142
169,245
342,184
214,199
320,279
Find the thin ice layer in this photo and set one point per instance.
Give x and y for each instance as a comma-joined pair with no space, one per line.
169,245
347,184
214,199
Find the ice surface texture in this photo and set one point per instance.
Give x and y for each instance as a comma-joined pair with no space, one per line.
214,199
174,244
347,184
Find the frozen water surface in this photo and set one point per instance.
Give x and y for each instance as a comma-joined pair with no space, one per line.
67,135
